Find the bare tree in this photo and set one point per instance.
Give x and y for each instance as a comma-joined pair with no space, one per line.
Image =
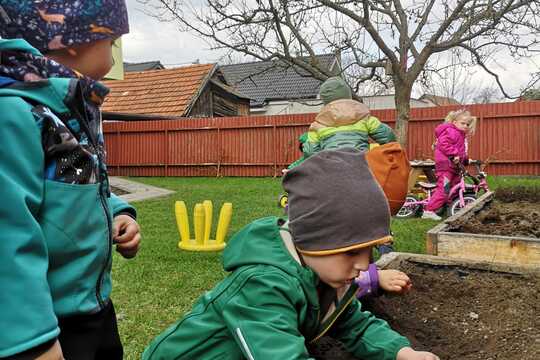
390,41
531,94
487,95
451,80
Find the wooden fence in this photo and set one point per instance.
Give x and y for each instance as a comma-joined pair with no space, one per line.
507,133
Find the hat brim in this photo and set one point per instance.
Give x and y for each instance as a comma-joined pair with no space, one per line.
382,240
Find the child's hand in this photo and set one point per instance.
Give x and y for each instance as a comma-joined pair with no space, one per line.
126,236
408,353
394,281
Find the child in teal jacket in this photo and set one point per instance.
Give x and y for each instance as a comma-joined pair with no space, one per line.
292,282
58,219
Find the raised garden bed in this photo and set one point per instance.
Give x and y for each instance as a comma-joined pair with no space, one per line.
502,227
460,309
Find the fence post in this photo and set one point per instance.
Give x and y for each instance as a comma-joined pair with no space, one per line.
118,165
167,151
274,145
218,172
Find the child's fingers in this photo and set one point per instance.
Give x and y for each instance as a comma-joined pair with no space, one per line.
128,233
116,229
401,277
130,248
398,284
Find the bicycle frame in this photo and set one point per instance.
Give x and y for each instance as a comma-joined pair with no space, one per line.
479,181
458,190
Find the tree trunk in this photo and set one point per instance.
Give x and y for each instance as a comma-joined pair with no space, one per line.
403,108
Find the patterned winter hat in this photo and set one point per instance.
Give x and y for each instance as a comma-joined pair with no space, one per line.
56,24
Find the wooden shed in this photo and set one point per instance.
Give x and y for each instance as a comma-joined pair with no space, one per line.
190,91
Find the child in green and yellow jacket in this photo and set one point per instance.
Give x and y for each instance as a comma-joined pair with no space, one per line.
292,282
342,123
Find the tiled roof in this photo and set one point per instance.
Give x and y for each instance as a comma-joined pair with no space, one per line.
274,80
158,92
143,66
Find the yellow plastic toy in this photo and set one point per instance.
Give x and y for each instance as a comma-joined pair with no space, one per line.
202,226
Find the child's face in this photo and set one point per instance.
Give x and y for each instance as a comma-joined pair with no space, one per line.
462,123
93,60
339,270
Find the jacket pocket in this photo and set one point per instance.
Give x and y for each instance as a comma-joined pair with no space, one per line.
75,228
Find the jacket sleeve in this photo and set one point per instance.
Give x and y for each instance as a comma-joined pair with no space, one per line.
446,143
379,131
27,317
263,318
296,162
312,145
366,336
120,206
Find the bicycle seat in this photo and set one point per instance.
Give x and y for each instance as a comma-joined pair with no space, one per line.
427,186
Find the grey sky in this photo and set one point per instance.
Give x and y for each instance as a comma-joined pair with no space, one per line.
150,40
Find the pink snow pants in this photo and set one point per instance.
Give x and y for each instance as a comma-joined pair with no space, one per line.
445,181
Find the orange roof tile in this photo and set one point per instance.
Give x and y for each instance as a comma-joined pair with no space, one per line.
158,92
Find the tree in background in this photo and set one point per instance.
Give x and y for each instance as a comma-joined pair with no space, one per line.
392,42
531,94
452,80
487,95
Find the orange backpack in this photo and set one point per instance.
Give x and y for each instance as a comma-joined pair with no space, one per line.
390,166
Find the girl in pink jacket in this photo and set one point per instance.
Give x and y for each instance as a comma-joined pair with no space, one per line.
450,150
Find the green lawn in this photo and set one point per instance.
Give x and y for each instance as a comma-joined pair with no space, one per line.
160,284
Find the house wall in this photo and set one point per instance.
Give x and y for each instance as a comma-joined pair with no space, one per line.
203,105
224,104
284,107
216,102
315,105
388,102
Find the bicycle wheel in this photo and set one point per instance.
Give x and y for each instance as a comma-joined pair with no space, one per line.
455,206
408,210
283,200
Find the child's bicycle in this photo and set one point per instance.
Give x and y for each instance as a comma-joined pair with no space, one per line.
460,195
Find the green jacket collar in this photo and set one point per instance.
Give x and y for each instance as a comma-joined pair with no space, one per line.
260,243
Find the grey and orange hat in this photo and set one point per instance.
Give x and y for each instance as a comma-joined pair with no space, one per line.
56,24
336,204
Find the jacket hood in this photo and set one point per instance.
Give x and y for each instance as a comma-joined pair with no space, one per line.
444,127
333,89
260,243
52,92
18,44
339,113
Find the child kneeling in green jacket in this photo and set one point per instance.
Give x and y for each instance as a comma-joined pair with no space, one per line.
291,282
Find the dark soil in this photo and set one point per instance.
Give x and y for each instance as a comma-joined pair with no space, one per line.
462,314
465,314
118,191
518,193
519,218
